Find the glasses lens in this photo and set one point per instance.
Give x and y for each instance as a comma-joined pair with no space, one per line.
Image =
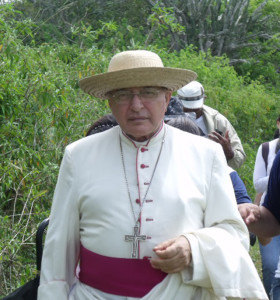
122,96
149,93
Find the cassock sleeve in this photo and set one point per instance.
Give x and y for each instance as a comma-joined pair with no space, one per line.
61,249
220,250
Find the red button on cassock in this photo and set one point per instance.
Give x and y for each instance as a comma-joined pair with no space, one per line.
143,166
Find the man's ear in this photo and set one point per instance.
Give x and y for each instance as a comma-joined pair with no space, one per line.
168,95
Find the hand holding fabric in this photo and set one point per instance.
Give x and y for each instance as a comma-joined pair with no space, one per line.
174,255
224,141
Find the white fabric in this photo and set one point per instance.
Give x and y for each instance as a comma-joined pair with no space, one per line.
277,272
201,124
191,195
261,174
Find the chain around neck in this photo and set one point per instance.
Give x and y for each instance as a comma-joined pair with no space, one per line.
136,218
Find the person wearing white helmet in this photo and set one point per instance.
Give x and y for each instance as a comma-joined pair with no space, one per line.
212,123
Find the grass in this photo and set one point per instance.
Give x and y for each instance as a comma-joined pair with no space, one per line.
256,257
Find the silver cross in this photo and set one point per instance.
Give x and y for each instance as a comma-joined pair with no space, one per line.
135,238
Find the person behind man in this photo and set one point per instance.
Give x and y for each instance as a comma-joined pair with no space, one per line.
267,222
102,124
213,124
277,131
145,210
269,248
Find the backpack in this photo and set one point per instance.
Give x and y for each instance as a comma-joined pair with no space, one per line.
265,151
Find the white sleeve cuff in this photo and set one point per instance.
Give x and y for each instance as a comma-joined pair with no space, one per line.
53,290
196,273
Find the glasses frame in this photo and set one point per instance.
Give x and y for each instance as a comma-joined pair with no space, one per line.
113,96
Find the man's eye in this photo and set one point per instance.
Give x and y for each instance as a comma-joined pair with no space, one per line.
122,95
148,93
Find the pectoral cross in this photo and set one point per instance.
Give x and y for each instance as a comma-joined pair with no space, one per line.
135,238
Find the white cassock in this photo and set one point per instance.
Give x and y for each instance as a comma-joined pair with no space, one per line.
191,194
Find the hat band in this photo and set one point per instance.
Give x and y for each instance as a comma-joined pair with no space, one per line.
191,98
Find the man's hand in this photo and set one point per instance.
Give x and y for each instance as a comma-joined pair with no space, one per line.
266,226
249,212
173,255
224,141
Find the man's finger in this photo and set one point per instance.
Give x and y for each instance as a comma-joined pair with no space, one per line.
164,245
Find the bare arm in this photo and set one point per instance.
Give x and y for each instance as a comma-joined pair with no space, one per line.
266,225
258,197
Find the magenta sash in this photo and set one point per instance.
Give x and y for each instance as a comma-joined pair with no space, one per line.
118,276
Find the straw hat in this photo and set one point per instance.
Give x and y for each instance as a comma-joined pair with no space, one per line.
135,69
192,95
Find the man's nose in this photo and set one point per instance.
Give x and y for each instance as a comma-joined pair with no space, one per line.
136,103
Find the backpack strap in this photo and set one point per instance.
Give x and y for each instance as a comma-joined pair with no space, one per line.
265,151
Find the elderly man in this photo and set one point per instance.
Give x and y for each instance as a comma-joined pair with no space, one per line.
213,124
145,210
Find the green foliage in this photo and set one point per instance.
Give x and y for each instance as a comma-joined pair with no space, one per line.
100,17
246,31
162,21
263,62
42,109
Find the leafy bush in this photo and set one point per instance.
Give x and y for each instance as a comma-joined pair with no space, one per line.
42,110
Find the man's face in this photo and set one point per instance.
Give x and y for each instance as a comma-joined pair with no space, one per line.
140,110
198,111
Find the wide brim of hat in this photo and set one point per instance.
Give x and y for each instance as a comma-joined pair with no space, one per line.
193,104
171,78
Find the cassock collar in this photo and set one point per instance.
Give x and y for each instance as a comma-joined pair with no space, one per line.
156,138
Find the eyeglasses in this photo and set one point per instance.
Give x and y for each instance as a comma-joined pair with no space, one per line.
146,95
